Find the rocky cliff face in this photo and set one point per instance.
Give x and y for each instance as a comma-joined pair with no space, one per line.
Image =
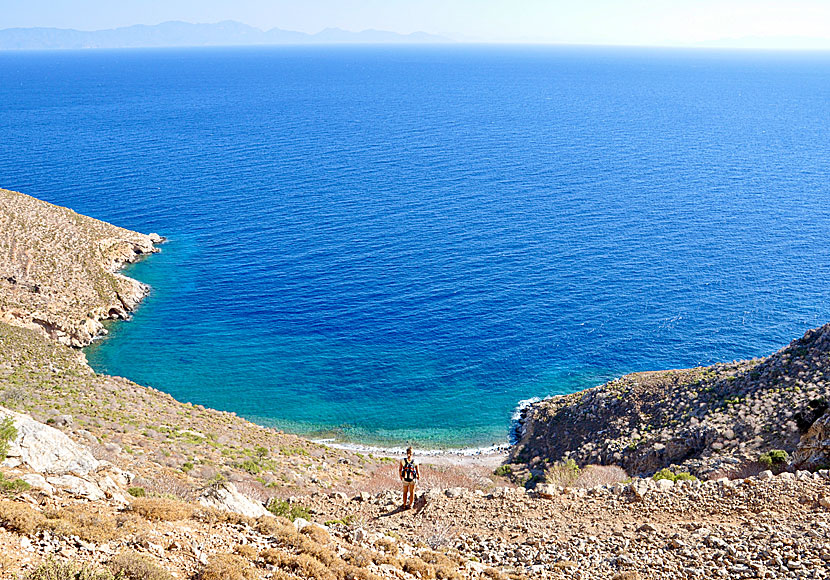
58,269
813,451
703,419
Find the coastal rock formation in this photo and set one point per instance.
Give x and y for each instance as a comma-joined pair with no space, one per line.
703,419
813,451
58,269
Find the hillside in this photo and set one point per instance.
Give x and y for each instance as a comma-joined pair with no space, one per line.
717,419
111,477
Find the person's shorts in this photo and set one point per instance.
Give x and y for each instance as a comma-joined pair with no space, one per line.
409,485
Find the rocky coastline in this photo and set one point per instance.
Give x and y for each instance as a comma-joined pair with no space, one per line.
59,270
706,420
651,476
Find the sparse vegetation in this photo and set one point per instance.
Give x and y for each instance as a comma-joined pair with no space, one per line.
131,565
52,570
8,433
774,458
667,473
282,508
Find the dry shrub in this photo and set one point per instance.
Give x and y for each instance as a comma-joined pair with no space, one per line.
134,566
20,517
161,509
228,567
88,521
388,545
247,551
171,484
563,474
272,525
439,535
416,566
354,573
594,475
254,490
445,568
317,534
300,564
493,574
51,570
212,516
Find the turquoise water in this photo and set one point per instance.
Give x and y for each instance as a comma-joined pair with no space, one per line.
397,244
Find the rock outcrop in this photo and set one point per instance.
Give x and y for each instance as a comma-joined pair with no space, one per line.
813,451
44,449
703,419
58,269
226,497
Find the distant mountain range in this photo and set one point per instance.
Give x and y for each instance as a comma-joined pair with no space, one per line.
166,34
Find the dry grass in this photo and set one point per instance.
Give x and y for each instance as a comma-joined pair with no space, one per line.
134,566
161,509
594,475
247,551
418,567
228,567
317,534
171,485
21,517
88,521
51,570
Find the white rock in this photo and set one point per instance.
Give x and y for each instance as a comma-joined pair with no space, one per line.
765,475
37,481
77,486
45,449
227,498
454,492
664,484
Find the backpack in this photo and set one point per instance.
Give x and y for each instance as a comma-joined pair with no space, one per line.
408,471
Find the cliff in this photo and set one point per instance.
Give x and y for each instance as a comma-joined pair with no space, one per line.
59,270
706,420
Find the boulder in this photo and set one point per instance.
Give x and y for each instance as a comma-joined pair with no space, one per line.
813,450
77,486
45,449
227,498
38,482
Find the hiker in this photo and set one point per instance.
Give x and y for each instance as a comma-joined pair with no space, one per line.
409,474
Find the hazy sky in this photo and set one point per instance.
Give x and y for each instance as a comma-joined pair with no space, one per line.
652,22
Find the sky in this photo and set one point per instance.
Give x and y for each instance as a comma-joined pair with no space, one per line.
765,23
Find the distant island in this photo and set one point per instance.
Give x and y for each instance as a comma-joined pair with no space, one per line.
182,34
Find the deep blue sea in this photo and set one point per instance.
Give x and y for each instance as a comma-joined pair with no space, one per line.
399,244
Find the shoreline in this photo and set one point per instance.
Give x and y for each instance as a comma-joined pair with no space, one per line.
491,456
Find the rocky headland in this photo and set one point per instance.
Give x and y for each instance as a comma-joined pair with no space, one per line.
103,478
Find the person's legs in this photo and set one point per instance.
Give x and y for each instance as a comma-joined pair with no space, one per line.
405,493
411,493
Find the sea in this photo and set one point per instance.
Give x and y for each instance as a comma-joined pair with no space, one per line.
385,245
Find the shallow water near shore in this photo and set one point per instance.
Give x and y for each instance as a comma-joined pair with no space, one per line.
384,245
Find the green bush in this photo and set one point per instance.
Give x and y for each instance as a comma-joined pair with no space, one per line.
12,486
137,492
281,508
564,473
503,470
8,433
774,458
667,473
